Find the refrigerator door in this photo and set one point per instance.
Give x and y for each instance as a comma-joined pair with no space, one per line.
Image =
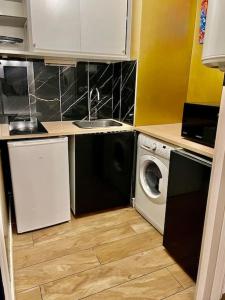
187,194
40,178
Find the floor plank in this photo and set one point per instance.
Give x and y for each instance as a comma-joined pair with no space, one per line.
187,294
140,225
71,243
33,294
33,276
21,241
84,224
181,276
129,246
107,276
157,285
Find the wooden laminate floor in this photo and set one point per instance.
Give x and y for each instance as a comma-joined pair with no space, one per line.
111,255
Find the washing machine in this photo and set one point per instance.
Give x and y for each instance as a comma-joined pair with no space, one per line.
153,158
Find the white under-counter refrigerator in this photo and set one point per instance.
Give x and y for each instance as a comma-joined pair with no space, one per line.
40,179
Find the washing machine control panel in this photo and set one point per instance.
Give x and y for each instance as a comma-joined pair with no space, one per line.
155,146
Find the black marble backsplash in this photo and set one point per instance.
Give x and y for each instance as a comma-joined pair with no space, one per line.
54,93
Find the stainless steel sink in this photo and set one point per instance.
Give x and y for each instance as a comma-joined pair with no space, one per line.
96,123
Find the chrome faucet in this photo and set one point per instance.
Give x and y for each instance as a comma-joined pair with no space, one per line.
93,111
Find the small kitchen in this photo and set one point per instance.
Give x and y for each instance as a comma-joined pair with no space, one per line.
108,121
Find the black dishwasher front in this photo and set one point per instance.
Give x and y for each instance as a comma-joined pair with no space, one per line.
103,171
189,177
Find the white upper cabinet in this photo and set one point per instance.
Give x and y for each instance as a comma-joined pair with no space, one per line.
83,28
103,26
54,25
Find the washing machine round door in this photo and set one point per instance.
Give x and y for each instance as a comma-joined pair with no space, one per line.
154,178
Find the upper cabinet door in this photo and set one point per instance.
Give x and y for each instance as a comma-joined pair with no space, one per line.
55,25
103,26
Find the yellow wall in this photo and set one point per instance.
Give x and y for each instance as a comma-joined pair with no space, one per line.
136,28
166,39
205,84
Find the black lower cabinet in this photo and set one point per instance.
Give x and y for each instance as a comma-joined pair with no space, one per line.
188,185
103,171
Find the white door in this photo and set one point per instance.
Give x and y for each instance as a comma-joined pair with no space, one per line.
103,26
55,25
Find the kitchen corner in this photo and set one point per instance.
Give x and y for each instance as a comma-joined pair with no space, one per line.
112,149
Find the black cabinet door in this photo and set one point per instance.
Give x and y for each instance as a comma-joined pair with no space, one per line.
103,170
185,211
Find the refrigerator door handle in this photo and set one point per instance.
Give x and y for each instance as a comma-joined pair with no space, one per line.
38,142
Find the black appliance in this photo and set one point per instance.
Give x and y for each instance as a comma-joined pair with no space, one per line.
103,171
25,125
189,177
200,123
